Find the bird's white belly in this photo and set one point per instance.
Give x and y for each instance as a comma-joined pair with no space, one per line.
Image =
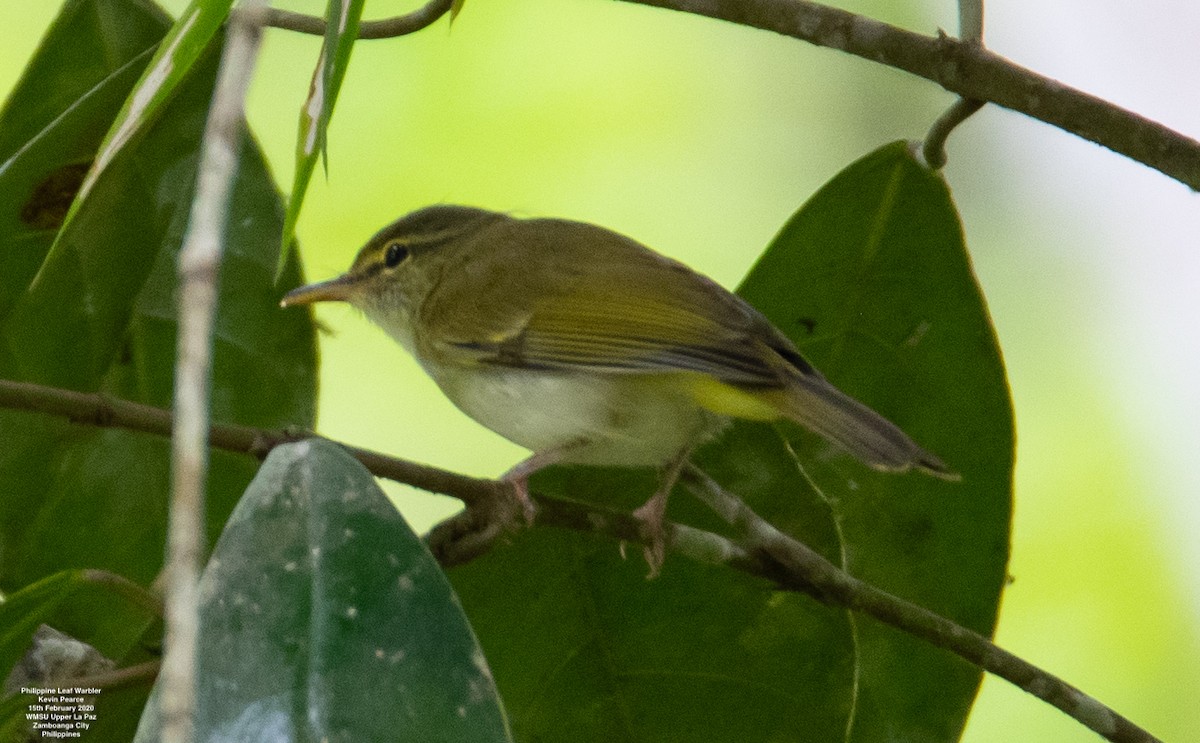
600,419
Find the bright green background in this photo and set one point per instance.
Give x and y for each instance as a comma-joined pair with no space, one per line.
700,139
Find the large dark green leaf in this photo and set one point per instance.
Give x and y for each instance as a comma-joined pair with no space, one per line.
890,310
324,617
586,649
100,316
872,280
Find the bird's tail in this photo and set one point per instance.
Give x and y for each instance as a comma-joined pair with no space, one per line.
817,405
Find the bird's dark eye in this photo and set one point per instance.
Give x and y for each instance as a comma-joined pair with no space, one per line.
396,253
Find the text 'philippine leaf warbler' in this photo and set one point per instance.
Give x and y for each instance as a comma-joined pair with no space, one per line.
589,348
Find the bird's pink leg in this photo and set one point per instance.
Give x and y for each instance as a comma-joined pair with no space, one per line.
519,475
653,513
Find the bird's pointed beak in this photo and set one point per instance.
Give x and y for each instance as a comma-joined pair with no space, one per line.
334,290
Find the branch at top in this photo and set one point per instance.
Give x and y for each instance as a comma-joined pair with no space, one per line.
969,70
382,29
960,66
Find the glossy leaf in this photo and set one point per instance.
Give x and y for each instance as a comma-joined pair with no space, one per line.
324,617
342,20
871,279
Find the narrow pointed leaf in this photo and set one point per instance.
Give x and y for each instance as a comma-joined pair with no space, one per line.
324,617
180,48
341,31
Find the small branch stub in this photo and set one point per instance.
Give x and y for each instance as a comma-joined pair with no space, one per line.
970,30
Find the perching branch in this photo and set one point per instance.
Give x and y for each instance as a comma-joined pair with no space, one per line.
199,264
763,551
836,587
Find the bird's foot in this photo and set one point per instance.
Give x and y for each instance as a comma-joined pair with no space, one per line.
467,535
650,516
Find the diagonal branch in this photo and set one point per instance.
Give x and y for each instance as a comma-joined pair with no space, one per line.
969,70
836,587
764,551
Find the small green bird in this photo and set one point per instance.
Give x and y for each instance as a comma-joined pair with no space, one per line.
587,347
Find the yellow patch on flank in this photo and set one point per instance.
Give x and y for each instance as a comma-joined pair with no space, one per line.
725,399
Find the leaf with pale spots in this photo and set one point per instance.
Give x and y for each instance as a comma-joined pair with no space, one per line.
324,617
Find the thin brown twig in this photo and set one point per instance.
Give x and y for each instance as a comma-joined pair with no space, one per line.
386,28
101,411
764,552
934,148
127,589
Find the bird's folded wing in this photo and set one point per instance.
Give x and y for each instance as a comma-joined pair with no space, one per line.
617,333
